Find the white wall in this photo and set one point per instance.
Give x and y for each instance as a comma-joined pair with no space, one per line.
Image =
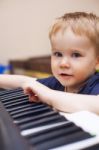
24,24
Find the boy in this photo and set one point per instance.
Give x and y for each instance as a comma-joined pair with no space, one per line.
75,58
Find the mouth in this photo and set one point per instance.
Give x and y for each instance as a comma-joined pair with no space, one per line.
64,75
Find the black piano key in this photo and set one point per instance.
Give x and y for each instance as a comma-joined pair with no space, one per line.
30,104
11,99
34,116
92,147
66,131
22,110
16,104
8,96
29,113
41,122
62,140
15,100
10,91
12,94
59,136
66,126
46,113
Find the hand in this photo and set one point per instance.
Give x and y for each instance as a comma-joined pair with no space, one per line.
37,91
32,96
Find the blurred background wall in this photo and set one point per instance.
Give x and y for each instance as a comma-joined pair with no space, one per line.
24,25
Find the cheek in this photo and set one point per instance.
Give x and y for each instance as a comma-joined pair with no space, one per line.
83,65
54,66
84,69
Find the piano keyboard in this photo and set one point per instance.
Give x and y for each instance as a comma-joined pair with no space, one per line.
36,126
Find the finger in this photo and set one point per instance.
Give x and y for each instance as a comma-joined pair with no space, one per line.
29,92
33,98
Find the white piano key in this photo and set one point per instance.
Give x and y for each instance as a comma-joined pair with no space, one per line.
79,145
88,121
38,129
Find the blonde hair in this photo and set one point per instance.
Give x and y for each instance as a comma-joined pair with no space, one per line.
81,23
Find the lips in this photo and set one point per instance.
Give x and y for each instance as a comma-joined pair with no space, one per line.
65,76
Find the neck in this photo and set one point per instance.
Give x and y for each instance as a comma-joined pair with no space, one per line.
74,89
70,90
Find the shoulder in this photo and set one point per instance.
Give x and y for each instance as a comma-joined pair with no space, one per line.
95,84
92,85
52,83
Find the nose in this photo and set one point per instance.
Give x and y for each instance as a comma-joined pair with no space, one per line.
64,63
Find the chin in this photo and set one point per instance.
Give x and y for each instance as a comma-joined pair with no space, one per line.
66,83
63,83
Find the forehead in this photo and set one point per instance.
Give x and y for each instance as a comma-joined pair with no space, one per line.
69,40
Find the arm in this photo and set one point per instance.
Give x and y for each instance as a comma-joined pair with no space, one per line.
66,102
14,81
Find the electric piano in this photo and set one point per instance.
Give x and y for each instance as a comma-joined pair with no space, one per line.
36,126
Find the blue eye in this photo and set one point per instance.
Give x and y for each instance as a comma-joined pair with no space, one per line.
76,55
57,54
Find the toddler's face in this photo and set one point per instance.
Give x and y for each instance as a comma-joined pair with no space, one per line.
73,59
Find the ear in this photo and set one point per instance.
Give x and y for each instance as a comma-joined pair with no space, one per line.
97,64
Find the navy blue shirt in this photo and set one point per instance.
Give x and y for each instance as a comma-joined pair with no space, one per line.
91,87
